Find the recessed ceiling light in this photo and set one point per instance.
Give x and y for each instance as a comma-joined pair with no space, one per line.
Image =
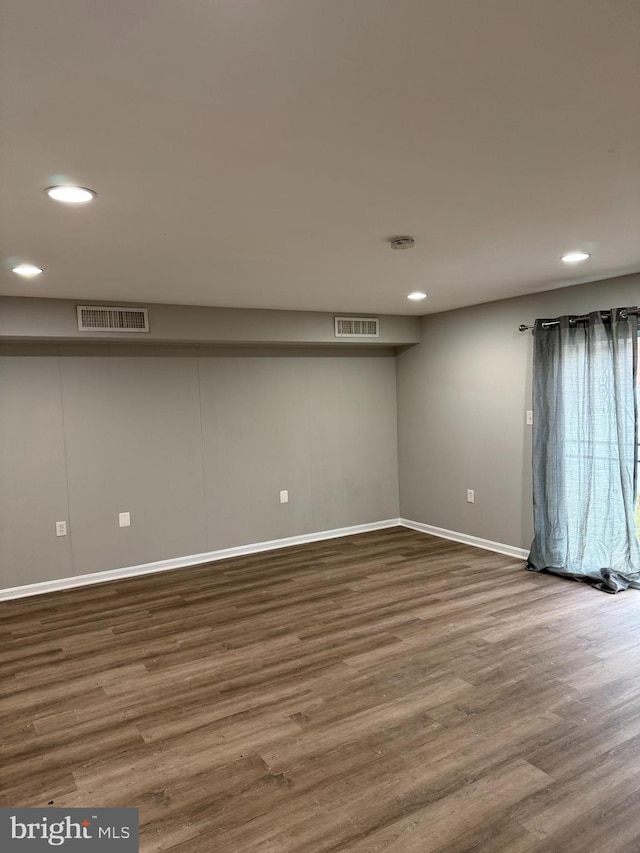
70,195
575,257
417,295
27,270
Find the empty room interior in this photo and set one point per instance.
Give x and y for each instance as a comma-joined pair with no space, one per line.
319,426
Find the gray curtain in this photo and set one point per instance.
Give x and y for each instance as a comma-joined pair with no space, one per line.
585,449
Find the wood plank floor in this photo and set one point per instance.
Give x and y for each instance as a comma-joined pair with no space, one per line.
382,692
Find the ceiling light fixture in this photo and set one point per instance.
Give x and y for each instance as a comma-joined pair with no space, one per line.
27,270
400,243
575,257
70,195
417,295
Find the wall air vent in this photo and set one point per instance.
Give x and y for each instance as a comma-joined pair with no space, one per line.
99,318
357,327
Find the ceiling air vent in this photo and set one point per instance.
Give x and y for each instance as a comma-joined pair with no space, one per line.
357,327
98,318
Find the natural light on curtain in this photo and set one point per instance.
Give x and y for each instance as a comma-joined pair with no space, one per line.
585,449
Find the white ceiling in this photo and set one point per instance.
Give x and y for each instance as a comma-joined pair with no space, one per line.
260,153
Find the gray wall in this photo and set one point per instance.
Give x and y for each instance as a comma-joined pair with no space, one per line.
462,397
195,442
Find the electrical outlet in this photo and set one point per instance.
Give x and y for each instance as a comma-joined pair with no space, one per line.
61,528
284,496
471,496
124,519
529,417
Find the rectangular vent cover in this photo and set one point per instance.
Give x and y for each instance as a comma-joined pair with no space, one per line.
98,318
357,327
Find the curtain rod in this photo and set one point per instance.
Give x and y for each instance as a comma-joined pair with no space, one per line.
606,315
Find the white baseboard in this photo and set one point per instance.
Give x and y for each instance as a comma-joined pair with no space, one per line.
187,562
255,548
466,539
